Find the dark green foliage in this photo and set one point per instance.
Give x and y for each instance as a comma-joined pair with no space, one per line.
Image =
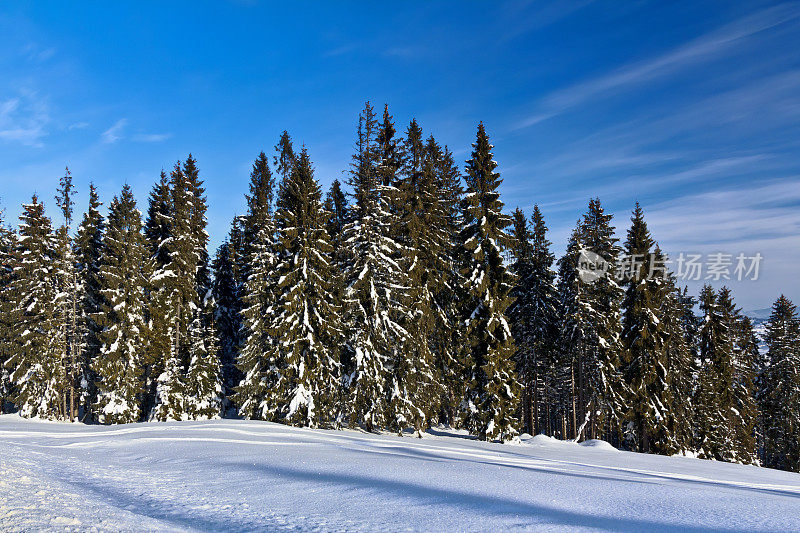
306,315
492,390
534,317
88,251
36,367
779,388
124,275
644,339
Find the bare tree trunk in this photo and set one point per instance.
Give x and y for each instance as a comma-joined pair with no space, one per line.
535,393
572,395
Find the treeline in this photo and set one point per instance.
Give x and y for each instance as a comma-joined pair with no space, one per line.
410,300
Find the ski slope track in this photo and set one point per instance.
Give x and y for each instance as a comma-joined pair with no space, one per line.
232,475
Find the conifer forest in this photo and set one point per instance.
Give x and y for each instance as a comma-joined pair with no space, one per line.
406,296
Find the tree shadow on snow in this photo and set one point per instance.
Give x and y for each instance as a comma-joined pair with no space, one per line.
477,503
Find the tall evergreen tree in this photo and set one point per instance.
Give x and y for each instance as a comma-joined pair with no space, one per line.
8,248
679,328
123,276
258,298
67,304
450,352
36,370
179,294
533,314
160,314
492,392
226,292
306,315
88,250
376,286
644,339
714,396
779,388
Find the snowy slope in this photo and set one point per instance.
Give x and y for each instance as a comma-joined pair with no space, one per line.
237,475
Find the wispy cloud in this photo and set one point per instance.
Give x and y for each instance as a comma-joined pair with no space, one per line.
151,137
691,53
114,133
37,53
23,118
522,16
339,50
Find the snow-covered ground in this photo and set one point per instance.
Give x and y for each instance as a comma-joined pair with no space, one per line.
237,475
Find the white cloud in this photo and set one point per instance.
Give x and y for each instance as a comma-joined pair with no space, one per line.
114,133
23,118
693,52
152,137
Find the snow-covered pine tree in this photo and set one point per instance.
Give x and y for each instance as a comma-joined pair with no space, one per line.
600,384
587,384
492,390
410,202
67,303
36,372
258,295
644,339
8,248
533,314
575,324
745,359
203,377
88,250
226,291
447,340
678,318
179,296
714,395
306,315
160,315
124,273
376,286
779,388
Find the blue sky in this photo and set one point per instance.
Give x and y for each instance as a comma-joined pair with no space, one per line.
691,108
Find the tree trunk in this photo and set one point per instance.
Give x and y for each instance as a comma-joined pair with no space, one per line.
574,403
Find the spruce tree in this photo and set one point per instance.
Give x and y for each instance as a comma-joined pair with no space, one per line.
8,248
226,292
714,396
203,392
306,315
179,292
644,339
678,318
779,388
492,392
414,225
450,352
745,361
158,232
36,371
67,298
88,251
533,314
124,273
258,295
376,286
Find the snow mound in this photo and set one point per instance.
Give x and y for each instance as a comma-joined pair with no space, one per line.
598,444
